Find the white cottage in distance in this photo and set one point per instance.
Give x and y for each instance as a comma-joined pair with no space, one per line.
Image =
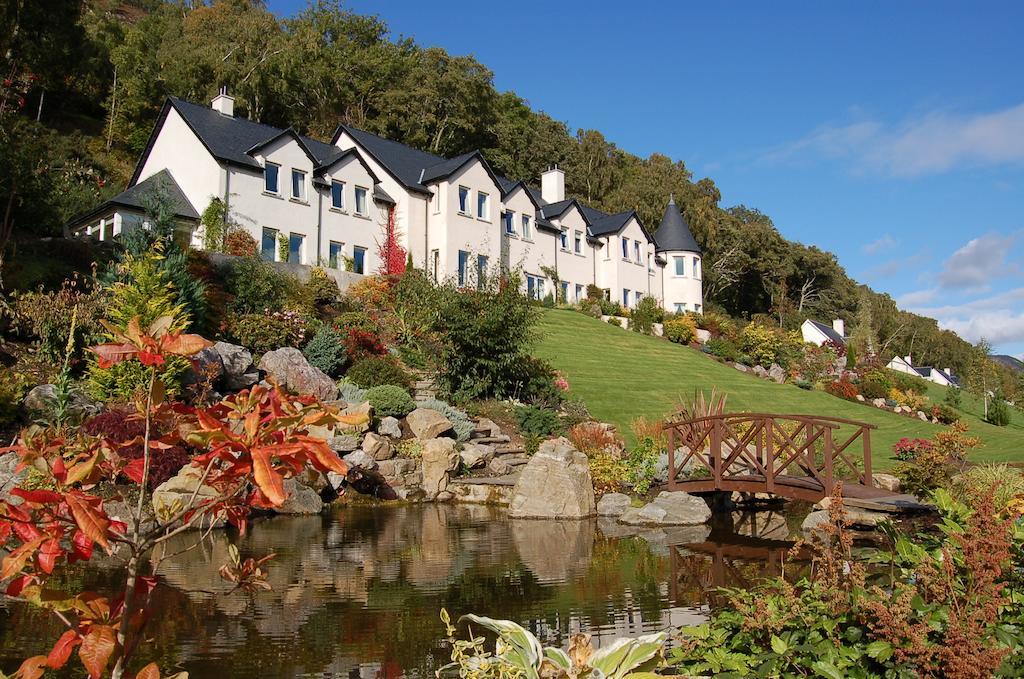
456,216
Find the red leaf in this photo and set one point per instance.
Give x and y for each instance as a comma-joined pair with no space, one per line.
59,471
91,520
49,552
62,650
150,671
268,480
322,457
39,497
18,584
134,469
32,668
16,560
110,354
81,545
97,647
145,584
151,359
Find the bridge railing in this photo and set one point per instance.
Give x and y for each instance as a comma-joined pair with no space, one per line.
759,452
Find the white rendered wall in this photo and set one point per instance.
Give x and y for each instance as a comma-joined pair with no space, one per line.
575,269
686,289
178,150
528,255
468,232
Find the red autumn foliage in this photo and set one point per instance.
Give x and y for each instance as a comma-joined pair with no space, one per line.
360,344
392,254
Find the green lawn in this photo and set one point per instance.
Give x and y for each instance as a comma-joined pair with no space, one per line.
622,375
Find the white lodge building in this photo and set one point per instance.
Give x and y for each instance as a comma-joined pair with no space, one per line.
331,202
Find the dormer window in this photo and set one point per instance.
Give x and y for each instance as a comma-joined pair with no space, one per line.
463,200
338,195
298,185
270,176
361,201
482,211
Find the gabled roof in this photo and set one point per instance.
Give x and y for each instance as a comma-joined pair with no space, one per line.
1009,361
924,371
341,154
287,132
610,224
950,377
508,186
402,162
828,331
674,233
554,210
136,197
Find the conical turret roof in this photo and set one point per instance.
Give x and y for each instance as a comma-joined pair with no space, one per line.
674,233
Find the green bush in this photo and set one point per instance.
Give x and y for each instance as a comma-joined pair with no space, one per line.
952,398
612,320
375,371
359,320
946,414
389,400
320,290
590,307
260,333
681,330
350,393
642,465
722,348
123,381
1004,482
538,422
872,386
46,316
256,286
905,381
998,411
767,345
327,351
12,390
645,315
536,383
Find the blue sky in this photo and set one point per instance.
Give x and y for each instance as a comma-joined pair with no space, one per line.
889,133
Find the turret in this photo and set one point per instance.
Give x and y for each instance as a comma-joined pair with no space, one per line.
683,272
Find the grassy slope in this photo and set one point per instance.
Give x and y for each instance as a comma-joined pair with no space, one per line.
622,375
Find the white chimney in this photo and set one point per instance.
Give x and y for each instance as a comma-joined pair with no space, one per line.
839,327
223,103
552,185
907,359
948,371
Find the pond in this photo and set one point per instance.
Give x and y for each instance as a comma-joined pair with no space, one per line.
357,592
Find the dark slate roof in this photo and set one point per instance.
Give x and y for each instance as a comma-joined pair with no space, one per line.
1009,361
923,371
381,195
551,210
674,233
446,168
135,198
829,332
610,224
949,376
406,164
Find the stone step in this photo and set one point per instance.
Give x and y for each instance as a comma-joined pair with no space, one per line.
515,461
504,438
509,450
509,480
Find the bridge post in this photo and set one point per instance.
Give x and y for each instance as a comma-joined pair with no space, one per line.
672,480
716,450
866,435
829,455
768,431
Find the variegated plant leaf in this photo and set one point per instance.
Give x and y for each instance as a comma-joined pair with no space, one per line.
521,649
624,656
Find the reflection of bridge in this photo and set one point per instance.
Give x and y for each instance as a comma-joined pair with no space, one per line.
794,456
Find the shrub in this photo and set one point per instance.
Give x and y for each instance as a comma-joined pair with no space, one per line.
261,333
998,411
609,308
144,290
461,424
47,317
607,472
389,400
719,325
723,348
906,382
924,472
538,422
362,344
945,414
873,385
240,243
359,320
256,286
907,449
375,371
838,348
952,398
1004,482
594,292
327,351
538,383
350,393
12,390
594,438
121,427
681,329
842,388
590,307
767,345
910,398
645,315
612,320
124,381
642,465
320,290
816,363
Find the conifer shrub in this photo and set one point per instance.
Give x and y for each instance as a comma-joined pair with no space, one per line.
326,350
539,422
998,411
256,286
389,400
375,371
260,333
645,315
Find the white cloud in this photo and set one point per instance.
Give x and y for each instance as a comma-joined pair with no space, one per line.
978,263
931,144
883,244
998,318
916,298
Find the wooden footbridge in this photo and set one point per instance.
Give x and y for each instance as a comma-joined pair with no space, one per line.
800,457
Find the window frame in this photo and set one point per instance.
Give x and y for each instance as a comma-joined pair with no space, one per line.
563,239
527,234
263,241
358,259
340,185
301,197
577,242
696,268
482,261
636,252
483,206
625,248
679,266
277,178
508,217
300,238
365,212
338,254
462,268
464,194
625,298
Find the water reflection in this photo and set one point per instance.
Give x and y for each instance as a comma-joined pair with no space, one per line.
358,592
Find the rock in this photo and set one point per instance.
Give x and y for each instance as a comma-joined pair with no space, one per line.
921,416
669,509
555,551
206,364
236,362
389,426
481,493
742,368
554,484
878,402
444,496
762,525
439,460
498,467
777,373
361,459
301,499
860,397
38,403
173,495
427,424
292,371
862,518
378,447
9,479
488,427
760,371
410,494
613,504
364,409
476,455
703,335
886,482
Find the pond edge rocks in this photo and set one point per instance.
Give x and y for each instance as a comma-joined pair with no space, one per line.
554,484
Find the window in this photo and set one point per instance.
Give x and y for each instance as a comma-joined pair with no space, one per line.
680,307
625,297
435,263
463,200
680,265
510,224
534,287
338,195
636,251
696,267
270,178
565,292
335,254
481,206
359,260
296,241
268,248
639,296
563,239
696,307
579,292
526,227
435,200
577,242
361,201
481,271
625,248
463,263
298,185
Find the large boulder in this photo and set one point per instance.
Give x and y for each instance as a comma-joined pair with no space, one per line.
613,504
9,479
777,373
40,400
427,424
674,508
206,365
390,426
236,363
289,368
555,484
439,459
476,455
174,494
301,499
378,447
361,459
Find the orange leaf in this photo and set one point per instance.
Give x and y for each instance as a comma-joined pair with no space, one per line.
62,650
322,456
110,354
160,326
97,647
268,480
16,560
49,552
91,520
184,345
150,671
32,668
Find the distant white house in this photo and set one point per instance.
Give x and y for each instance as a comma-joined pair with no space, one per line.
944,377
316,203
818,333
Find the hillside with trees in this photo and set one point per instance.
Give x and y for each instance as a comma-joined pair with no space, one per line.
84,81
